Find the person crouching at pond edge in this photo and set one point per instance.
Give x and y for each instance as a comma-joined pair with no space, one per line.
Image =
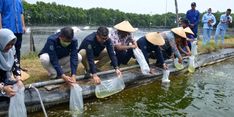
169,49
97,46
183,43
9,66
188,31
59,55
123,42
149,45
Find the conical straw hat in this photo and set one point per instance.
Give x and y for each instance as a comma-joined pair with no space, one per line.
155,38
188,30
179,31
125,26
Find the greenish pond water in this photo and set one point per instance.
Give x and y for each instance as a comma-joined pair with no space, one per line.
209,92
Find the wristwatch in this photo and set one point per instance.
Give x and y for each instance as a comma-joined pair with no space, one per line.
2,88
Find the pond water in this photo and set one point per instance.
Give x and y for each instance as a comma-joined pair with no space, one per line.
209,92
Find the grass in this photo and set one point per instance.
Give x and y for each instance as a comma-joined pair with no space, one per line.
37,72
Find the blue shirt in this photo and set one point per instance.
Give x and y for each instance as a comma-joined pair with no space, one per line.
146,48
223,19
205,20
94,48
193,17
11,11
56,51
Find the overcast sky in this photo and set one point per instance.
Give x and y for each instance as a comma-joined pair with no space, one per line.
146,6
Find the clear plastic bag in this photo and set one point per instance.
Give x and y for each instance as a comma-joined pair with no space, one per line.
178,65
191,67
109,87
165,78
194,48
141,61
17,107
76,100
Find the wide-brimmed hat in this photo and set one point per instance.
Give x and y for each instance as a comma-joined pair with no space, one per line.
125,26
188,30
179,31
155,38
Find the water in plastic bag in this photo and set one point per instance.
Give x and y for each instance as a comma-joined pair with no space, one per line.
17,106
109,87
141,61
76,100
178,65
191,67
165,78
194,48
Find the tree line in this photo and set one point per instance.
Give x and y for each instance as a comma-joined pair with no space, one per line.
44,14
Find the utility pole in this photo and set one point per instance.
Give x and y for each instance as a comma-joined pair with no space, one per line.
177,16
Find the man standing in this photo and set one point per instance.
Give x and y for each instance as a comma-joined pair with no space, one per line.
225,20
208,21
193,17
11,17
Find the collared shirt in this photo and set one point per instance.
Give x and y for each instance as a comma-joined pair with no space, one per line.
193,17
11,11
170,43
56,51
94,48
120,41
205,20
224,18
146,48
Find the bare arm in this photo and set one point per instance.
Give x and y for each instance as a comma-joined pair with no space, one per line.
123,47
23,23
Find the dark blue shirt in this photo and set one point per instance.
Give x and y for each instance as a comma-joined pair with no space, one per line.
193,17
11,11
94,48
146,48
56,51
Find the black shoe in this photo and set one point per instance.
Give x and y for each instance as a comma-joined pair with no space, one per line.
87,75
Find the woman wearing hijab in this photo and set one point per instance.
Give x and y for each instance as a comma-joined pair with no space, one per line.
9,66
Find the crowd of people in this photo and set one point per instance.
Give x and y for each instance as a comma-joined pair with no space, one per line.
61,54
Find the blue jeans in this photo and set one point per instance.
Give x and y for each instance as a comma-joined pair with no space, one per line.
206,35
218,31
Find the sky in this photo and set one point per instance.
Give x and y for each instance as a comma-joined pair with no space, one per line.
146,6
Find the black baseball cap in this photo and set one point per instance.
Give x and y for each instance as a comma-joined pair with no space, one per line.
193,4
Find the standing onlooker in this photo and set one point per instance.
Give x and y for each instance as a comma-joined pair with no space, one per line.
208,21
193,17
225,20
11,17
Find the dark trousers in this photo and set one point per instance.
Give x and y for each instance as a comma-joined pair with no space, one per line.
167,53
18,45
124,56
